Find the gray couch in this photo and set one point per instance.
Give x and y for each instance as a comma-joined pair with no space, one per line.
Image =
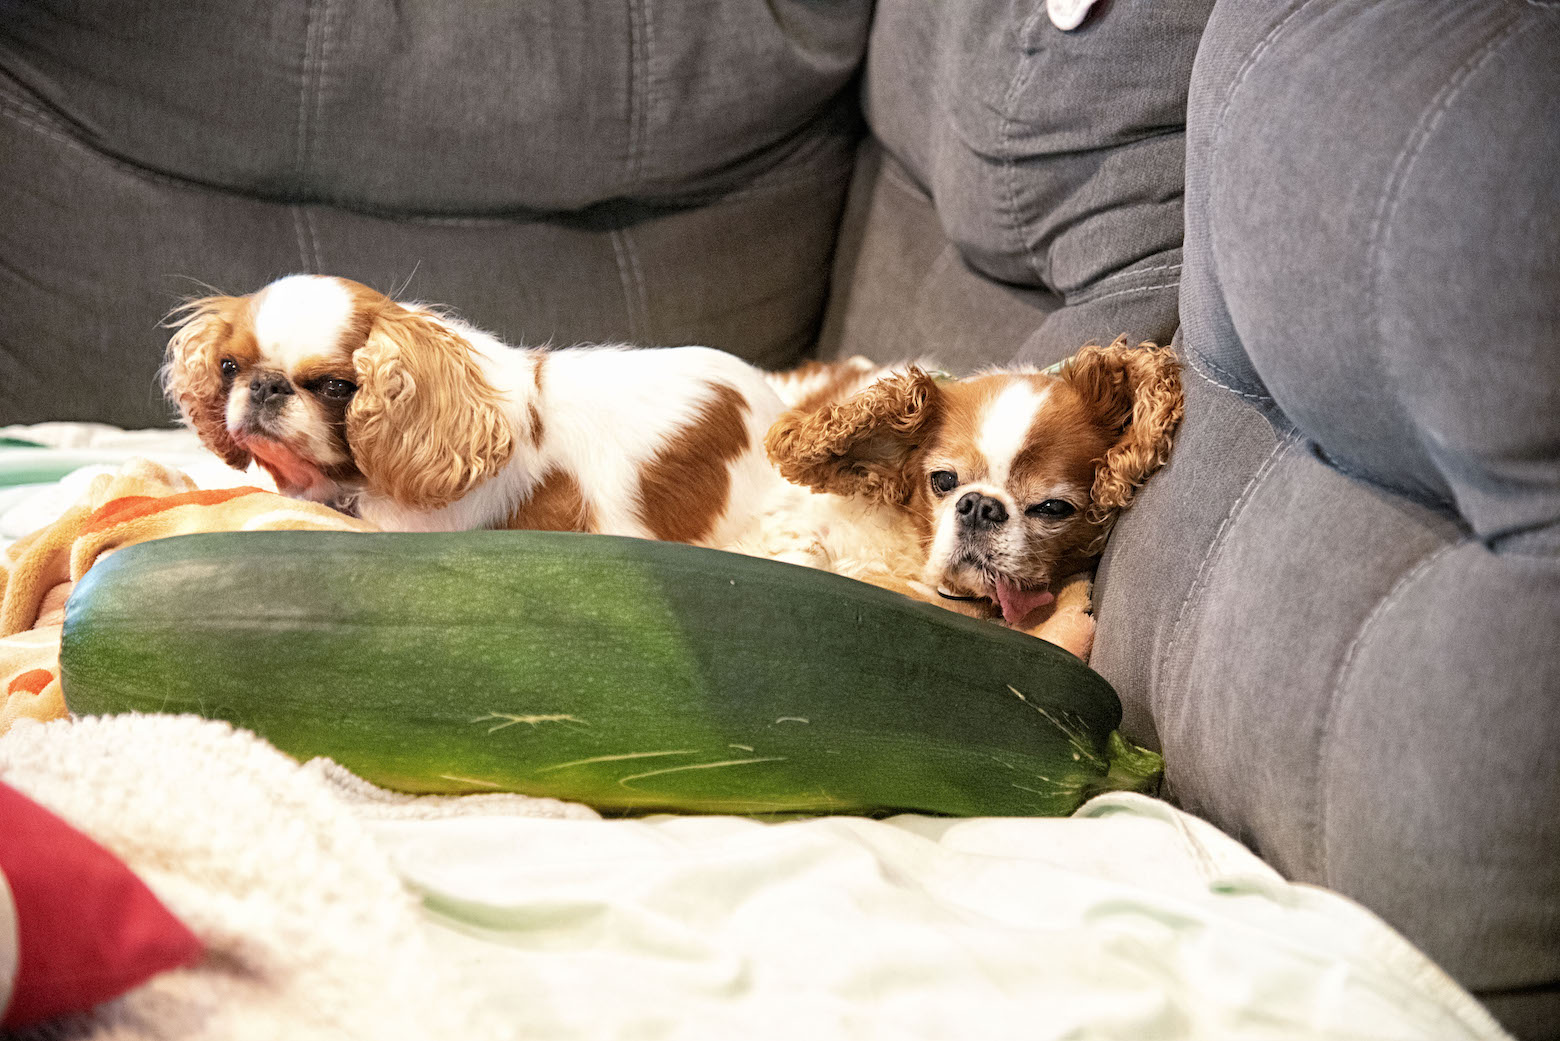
1337,611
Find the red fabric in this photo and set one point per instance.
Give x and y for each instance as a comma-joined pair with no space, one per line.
87,929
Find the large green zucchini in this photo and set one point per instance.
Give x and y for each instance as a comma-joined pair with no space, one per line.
622,673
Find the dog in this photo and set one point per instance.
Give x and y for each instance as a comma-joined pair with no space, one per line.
417,421
991,495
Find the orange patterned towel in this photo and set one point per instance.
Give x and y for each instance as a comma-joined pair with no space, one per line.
142,501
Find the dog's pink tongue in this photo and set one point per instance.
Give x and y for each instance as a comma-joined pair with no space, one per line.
293,473
1018,603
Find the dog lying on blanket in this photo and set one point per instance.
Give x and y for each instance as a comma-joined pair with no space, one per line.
980,495
417,421
991,495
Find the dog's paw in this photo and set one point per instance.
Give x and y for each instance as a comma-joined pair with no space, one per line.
1071,626
1076,594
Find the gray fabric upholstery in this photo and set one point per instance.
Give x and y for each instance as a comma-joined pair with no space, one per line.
901,289
1423,352
1054,158
667,174
429,108
1337,610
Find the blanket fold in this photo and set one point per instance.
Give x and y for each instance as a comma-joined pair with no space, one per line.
143,500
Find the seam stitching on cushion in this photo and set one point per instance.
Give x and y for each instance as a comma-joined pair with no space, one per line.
1216,546
647,101
314,239
40,122
638,81
633,290
1255,55
1159,267
641,297
28,117
1329,709
317,121
32,110
1021,74
1144,271
300,236
46,124
1386,205
38,125
302,152
1080,301
43,124
1211,181
1123,277
1195,362
1198,360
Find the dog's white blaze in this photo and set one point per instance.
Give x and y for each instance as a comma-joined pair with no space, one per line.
301,317
1004,429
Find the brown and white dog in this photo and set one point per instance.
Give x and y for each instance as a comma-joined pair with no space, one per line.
421,422
984,494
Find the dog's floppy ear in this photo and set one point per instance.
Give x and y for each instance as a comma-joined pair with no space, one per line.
859,446
192,373
1137,390
425,425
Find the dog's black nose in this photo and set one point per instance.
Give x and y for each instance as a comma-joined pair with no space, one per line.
980,511
268,385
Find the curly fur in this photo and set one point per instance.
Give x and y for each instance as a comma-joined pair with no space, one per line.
424,420
859,446
1139,388
191,378
1099,428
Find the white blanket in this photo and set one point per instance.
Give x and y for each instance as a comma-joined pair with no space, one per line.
334,910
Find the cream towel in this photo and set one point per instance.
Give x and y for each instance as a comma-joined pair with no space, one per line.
310,934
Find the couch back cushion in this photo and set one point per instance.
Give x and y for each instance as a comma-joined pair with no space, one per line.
666,173
1053,158
1373,247
1335,608
429,107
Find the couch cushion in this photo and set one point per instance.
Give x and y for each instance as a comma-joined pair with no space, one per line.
1335,609
900,289
683,185
432,107
1352,684
1372,243
1054,158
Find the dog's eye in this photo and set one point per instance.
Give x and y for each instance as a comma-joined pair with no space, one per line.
338,390
944,481
229,368
1053,509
